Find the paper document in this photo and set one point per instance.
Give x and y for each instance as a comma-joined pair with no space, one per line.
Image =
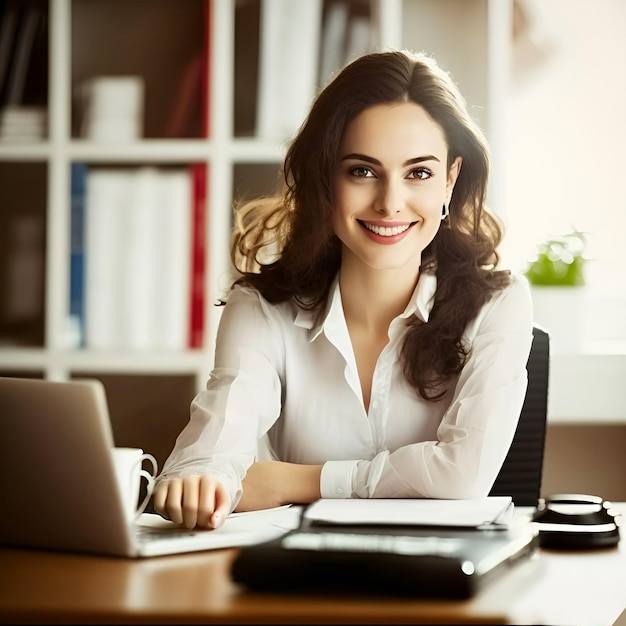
493,510
239,529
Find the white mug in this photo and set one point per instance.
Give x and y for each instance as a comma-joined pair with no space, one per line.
129,470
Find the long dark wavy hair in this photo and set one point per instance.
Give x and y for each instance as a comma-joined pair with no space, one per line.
285,247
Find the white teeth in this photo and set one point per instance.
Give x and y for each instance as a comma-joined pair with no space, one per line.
386,231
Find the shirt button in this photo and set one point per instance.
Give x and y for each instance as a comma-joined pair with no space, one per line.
375,404
339,491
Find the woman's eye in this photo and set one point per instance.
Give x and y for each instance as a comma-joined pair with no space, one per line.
421,173
361,172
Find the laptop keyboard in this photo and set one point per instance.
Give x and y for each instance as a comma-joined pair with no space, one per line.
152,533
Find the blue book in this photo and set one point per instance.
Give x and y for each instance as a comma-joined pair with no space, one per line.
77,253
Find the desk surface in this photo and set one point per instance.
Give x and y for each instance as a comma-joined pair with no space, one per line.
553,588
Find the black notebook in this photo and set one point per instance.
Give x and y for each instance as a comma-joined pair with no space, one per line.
407,560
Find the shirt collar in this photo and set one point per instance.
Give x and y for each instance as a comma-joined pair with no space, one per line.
420,304
423,298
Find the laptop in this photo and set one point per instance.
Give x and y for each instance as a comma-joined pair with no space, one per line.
390,559
60,491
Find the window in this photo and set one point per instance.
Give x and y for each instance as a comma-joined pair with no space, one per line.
566,138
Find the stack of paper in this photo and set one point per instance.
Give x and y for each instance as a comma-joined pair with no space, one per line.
478,513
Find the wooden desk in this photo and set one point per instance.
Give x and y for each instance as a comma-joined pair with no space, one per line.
573,588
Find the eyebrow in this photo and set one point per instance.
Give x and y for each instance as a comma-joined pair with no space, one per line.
363,157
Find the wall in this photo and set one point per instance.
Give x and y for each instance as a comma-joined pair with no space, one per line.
585,458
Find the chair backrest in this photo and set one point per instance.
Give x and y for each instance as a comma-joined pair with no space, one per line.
520,476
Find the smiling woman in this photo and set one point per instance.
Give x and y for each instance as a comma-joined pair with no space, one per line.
379,350
392,181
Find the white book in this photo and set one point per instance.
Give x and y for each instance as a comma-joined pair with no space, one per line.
334,33
138,256
288,64
172,295
359,38
140,259
107,192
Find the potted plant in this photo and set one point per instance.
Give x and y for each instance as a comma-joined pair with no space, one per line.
557,279
560,261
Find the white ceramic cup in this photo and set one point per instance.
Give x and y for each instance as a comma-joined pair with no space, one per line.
129,470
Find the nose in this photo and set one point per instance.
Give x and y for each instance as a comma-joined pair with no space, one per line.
390,198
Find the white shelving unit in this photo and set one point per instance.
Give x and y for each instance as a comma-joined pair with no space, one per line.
221,152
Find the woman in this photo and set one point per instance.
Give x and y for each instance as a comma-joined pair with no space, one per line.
371,347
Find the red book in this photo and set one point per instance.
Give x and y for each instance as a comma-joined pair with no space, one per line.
198,255
190,114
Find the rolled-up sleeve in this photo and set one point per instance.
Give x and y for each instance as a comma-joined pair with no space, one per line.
336,479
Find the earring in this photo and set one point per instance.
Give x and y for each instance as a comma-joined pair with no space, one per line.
445,211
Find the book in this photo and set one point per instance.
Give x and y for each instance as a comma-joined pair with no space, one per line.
8,28
157,277
23,71
189,93
137,258
141,258
190,114
78,180
246,70
173,243
106,223
347,33
288,62
24,272
333,40
198,255
359,37
27,25
410,547
22,123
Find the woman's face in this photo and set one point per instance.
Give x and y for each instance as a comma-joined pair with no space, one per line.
391,183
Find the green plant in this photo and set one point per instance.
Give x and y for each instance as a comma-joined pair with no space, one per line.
559,261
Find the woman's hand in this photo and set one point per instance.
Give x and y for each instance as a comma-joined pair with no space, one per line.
273,483
196,501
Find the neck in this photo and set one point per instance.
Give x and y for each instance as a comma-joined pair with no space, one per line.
373,298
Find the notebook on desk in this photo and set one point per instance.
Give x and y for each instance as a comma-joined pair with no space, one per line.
59,486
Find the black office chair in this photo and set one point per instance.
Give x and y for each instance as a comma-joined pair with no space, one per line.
520,476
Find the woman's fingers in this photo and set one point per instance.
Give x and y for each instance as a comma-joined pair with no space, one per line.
222,506
164,498
189,501
206,501
193,501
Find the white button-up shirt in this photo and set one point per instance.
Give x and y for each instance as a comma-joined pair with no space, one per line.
285,383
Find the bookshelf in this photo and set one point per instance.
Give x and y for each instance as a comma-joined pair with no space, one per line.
156,40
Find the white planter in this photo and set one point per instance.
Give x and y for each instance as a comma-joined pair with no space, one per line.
563,312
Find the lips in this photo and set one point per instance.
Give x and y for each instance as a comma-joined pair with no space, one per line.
386,232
